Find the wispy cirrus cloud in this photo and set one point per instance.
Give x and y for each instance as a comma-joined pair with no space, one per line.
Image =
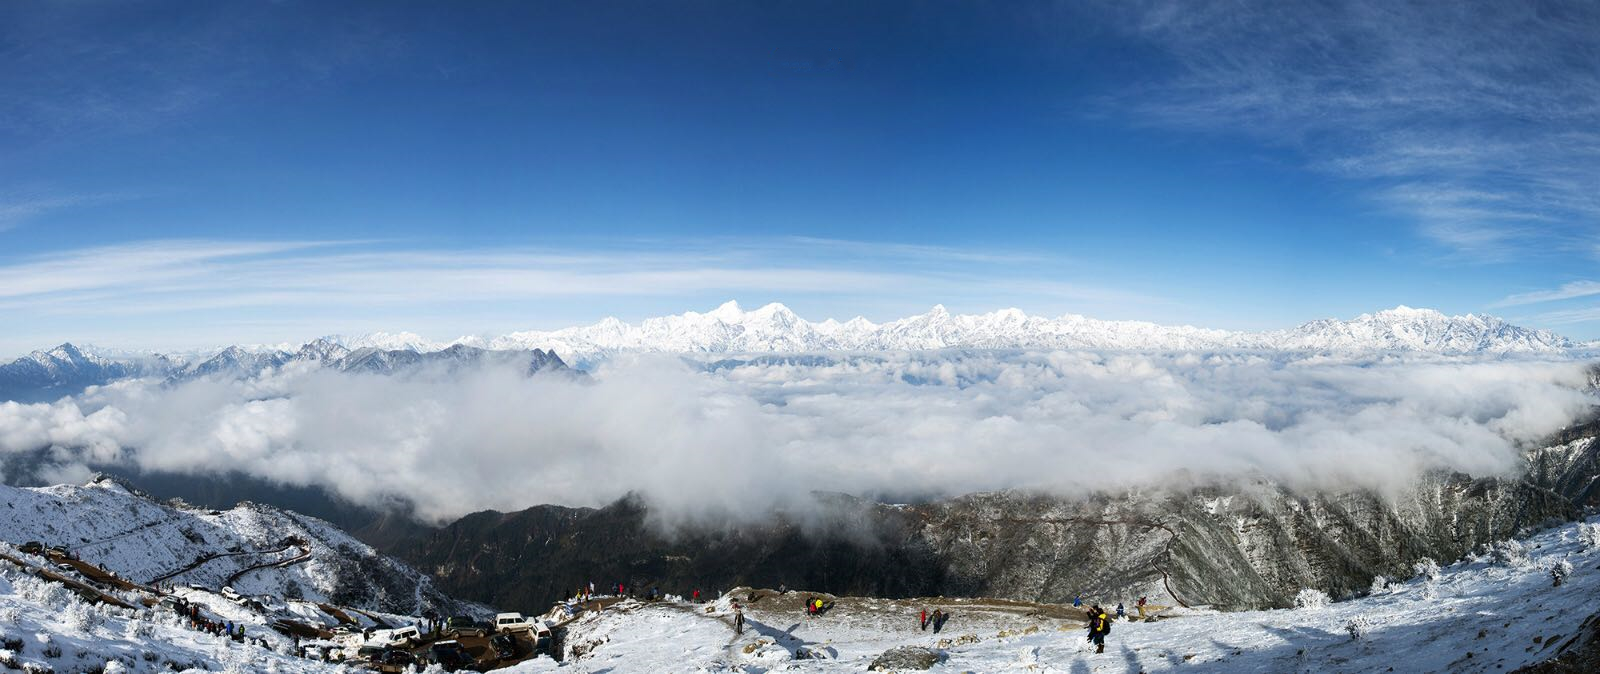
109,289
1475,119
1567,291
18,207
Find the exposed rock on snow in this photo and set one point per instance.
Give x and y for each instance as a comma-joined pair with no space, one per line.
903,658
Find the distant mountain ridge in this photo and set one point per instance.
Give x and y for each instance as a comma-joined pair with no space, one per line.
67,370
774,328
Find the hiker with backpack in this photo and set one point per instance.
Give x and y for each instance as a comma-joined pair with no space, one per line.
1099,627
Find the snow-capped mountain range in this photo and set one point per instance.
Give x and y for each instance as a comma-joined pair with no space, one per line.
775,328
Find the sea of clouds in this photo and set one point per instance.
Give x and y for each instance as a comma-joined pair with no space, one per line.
713,437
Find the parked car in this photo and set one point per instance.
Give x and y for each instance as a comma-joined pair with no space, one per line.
68,570
511,622
463,626
32,548
504,645
394,657
450,655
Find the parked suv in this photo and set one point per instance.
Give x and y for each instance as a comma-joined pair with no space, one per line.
511,622
450,655
463,626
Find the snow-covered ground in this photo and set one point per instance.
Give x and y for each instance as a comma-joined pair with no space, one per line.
45,628
1478,616
1489,613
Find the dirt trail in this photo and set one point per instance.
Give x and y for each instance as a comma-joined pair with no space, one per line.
216,555
305,554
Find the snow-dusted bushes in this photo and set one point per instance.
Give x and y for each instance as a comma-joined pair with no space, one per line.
52,595
1426,569
49,647
1589,535
138,630
1560,571
1510,554
1358,627
83,617
1311,599
1379,585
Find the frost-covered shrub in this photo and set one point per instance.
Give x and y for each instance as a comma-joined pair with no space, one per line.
136,630
1426,569
114,667
8,659
1358,627
1311,599
51,595
83,617
1508,553
1379,585
1559,572
1589,535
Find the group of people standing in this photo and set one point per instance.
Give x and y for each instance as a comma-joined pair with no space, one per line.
936,621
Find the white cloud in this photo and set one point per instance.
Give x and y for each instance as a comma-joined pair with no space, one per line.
698,441
1567,291
1475,119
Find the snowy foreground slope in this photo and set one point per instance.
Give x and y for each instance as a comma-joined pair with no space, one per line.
1478,616
147,541
1491,612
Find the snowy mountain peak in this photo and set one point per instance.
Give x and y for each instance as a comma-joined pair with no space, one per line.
66,351
728,312
1405,311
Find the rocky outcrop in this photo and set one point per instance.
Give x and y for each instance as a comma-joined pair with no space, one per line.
905,658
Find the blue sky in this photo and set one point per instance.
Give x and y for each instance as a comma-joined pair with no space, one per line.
185,174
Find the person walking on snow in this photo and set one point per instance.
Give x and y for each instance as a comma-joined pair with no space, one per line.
1121,612
738,618
1077,601
1099,627
924,618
